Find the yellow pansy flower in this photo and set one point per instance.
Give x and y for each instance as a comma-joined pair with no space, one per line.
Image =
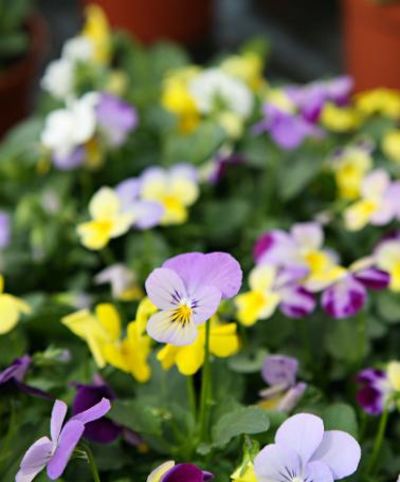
388,259
385,102
176,98
11,309
98,330
391,145
350,168
97,31
262,300
244,474
108,220
224,342
247,67
339,119
175,189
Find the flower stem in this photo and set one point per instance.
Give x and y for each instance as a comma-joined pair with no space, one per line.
205,387
191,395
378,440
92,463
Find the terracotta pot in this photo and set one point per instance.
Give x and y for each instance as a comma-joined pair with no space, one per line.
17,80
372,43
186,21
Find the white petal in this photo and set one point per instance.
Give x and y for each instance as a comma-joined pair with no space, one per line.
162,329
165,288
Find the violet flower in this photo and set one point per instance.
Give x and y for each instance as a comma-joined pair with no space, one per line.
5,230
188,289
115,118
304,452
283,393
55,452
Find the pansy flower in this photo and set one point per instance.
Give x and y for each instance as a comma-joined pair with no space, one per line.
171,472
379,203
283,392
109,220
175,189
55,452
378,388
188,289
123,282
11,309
224,342
304,451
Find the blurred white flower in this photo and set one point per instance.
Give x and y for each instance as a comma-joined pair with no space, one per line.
122,280
78,49
58,79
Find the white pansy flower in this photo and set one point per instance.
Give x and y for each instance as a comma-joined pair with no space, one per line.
58,79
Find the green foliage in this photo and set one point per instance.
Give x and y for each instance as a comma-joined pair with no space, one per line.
14,39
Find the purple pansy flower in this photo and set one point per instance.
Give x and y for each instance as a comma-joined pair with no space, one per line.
283,393
55,452
188,289
5,230
146,214
374,390
116,118
169,472
303,451
12,378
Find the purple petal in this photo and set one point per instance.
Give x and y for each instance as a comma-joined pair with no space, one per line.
128,191
309,234
301,433
186,473
165,288
371,375
339,89
297,302
340,452
318,471
5,230
216,269
16,370
371,399
292,397
116,117
148,214
206,300
94,413
71,161
275,247
373,278
277,462
36,457
280,370
185,170
57,419
69,438
344,299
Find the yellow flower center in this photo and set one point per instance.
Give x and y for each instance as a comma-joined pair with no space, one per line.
182,314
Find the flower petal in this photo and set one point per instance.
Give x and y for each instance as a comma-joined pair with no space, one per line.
297,302
165,288
184,472
280,370
69,438
308,235
35,459
205,302
163,329
318,471
57,419
344,299
94,413
340,452
276,463
104,204
302,433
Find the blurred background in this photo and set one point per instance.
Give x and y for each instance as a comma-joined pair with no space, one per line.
308,39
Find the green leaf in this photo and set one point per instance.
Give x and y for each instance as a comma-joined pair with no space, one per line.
244,420
137,416
389,306
341,416
297,172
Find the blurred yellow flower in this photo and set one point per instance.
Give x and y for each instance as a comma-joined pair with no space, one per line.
339,119
350,168
385,102
108,220
388,259
247,67
393,373
97,30
11,309
224,342
391,145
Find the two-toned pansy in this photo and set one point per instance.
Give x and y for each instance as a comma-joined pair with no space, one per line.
188,289
379,203
350,165
378,388
11,309
283,392
171,472
224,342
387,258
109,220
175,189
271,287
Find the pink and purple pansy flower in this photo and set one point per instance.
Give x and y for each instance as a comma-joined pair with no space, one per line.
303,451
55,452
188,290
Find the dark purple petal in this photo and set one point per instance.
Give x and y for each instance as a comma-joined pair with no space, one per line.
186,473
280,370
371,375
297,302
71,161
371,400
373,278
344,299
102,430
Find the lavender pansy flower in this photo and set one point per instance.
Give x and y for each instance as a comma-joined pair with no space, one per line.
303,452
55,452
169,472
188,289
116,118
5,230
283,393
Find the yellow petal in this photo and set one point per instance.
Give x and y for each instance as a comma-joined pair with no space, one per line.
1,283
95,234
224,341
339,119
113,354
97,30
9,313
145,309
358,215
175,210
185,190
104,205
255,305
121,224
167,356
391,145
190,358
109,318
262,277
393,373
156,475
